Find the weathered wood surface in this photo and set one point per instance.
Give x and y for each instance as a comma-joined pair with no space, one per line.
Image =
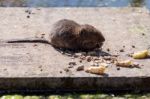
28,65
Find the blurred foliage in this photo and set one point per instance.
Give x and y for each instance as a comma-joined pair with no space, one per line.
80,96
137,3
10,3
63,3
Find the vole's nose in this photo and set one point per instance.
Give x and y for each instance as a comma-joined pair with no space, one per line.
99,45
103,39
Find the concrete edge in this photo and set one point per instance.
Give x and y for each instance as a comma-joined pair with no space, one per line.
82,83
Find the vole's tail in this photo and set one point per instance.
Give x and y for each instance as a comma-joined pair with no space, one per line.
32,40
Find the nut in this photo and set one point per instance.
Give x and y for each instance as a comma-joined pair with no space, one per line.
140,55
126,63
96,70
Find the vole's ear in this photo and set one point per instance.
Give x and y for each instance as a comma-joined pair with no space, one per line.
86,29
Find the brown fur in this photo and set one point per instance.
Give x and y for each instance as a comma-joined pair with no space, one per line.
70,35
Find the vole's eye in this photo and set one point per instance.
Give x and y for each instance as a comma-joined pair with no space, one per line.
97,45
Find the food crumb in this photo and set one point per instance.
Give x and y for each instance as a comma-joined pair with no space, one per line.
66,70
143,34
35,45
80,68
80,61
72,63
118,68
28,16
133,46
121,50
70,66
41,69
89,58
108,49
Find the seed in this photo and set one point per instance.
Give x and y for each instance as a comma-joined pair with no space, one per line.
66,70
28,16
133,46
80,68
108,49
121,50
